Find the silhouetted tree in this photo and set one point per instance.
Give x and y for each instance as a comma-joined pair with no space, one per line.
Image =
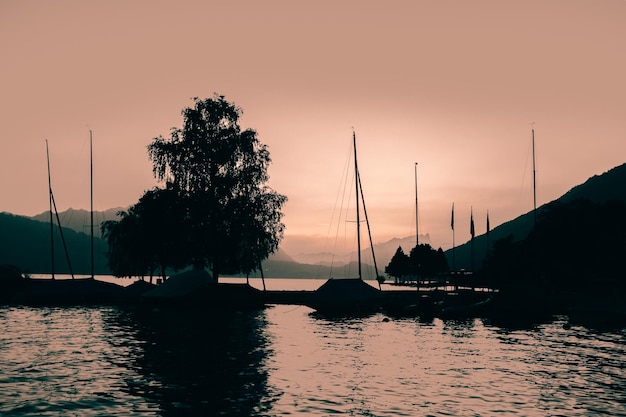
423,261
232,218
398,266
161,218
427,262
125,244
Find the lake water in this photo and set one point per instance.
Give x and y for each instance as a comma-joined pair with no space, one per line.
285,360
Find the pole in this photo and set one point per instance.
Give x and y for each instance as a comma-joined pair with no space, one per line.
91,197
51,219
534,180
369,233
453,243
417,239
358,219
472,232
262,276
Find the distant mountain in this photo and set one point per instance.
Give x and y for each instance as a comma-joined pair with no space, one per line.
600,188
383,251
284,269
80,220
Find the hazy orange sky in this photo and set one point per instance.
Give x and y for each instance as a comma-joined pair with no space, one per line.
452,85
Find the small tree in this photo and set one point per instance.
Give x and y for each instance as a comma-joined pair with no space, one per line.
398,267
427,262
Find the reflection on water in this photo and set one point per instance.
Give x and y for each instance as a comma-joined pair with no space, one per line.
194,362
109,361
286,361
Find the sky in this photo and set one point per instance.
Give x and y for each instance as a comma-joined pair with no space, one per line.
454,86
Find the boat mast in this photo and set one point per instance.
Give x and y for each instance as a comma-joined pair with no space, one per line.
369,232
56,212
358,219
534,180
51,219
91,197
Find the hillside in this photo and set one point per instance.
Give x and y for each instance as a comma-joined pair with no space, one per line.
26,243
599,188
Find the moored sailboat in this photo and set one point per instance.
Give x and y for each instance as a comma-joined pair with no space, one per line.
67,291
348,295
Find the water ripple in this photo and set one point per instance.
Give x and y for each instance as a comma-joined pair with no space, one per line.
285,361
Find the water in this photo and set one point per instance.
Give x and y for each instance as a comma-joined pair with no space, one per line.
284,360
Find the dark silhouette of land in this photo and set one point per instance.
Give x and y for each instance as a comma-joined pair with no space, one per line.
221,216
598,189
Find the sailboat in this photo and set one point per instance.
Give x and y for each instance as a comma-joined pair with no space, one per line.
348,295
67,291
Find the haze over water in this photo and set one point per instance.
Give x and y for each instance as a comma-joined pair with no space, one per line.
284,360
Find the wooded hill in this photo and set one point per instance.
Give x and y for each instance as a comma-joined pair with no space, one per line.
599,189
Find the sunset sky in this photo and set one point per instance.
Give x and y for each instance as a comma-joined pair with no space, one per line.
451,85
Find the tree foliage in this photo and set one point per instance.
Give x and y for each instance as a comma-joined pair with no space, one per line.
149,236
423,261
398,266
219,172
216,209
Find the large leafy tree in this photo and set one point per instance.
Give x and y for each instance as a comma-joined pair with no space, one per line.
232,218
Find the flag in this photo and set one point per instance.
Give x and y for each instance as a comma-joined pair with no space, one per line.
452,221
488,221
472,224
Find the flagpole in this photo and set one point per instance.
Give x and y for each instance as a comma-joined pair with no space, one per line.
91,199
488,230
417,239
472,233
453,243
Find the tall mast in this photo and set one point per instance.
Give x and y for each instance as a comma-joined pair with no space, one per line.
369,232
91,196
51,219
358,219
534,180
417,239
54,205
